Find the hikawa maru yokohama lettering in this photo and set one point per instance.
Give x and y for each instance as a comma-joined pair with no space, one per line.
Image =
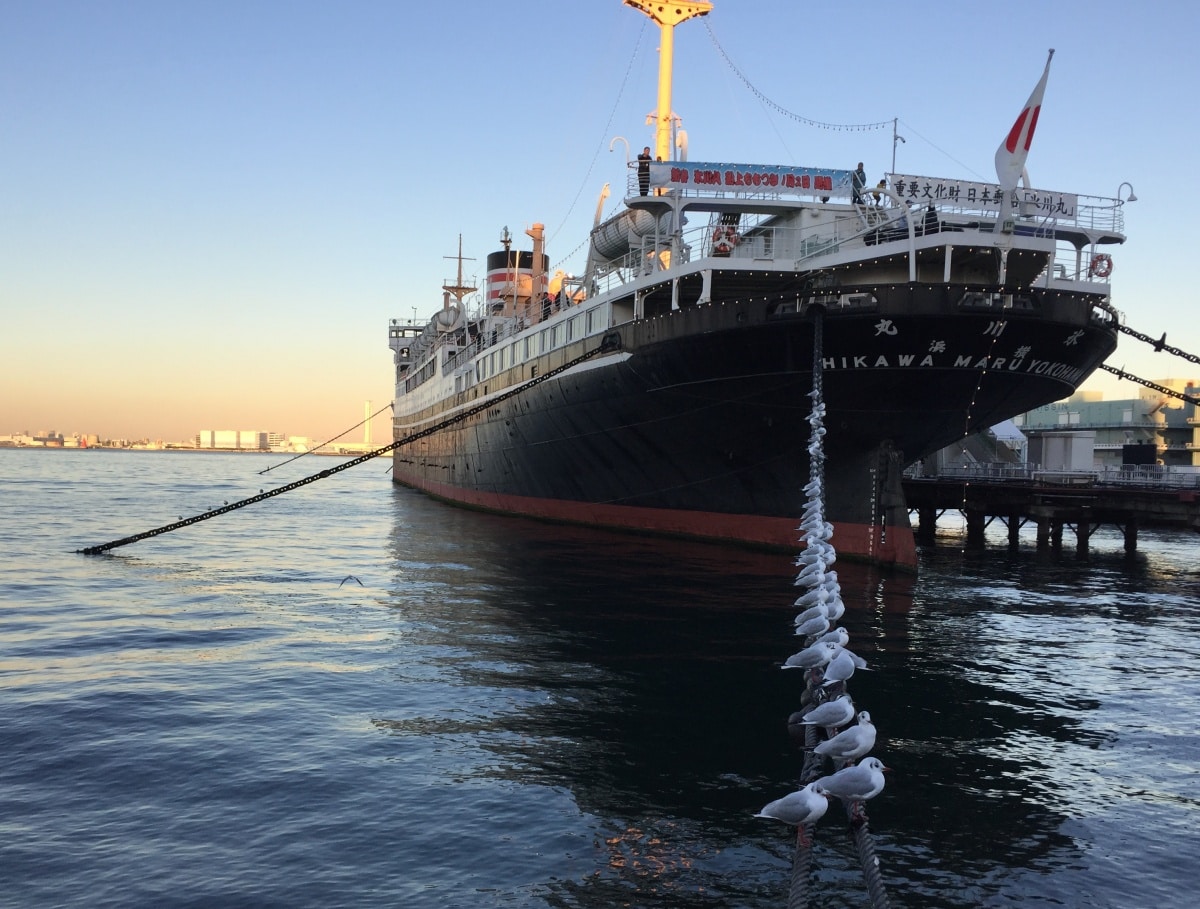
1048,368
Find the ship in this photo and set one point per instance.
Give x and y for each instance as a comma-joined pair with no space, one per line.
665,389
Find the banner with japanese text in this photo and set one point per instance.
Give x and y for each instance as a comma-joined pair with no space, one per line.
982,196
749,178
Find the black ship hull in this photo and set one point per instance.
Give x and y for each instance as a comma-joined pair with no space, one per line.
696,426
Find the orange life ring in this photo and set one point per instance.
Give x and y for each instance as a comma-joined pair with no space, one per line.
724,239
1101,265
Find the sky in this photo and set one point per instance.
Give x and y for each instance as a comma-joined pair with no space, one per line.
210,210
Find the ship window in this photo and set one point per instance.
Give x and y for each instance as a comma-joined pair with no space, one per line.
545,340
528,347
556,336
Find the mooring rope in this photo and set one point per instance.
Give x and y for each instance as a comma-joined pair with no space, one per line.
822,685
869,862
610,342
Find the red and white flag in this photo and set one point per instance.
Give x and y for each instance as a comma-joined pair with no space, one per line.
1010,156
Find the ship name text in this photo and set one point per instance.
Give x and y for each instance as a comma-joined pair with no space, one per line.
1049,368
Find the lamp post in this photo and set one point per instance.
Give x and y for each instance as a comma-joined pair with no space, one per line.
1132,197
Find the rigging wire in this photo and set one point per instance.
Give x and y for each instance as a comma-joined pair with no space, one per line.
607,126
908,127
807,121
323,444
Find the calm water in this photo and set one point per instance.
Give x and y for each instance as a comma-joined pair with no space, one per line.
499,713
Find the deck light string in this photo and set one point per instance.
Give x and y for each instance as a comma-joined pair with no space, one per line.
807,121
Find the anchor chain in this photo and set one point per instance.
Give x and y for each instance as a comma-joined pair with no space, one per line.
610,342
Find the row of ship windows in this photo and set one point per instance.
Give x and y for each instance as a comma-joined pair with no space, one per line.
544,341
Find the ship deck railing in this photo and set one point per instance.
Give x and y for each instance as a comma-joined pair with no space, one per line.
758,238
1093,214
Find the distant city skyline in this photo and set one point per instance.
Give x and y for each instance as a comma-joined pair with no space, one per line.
365,431
211,211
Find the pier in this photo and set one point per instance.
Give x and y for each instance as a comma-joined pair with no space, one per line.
1054,501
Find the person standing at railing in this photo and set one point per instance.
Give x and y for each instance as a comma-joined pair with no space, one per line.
644,171
858,182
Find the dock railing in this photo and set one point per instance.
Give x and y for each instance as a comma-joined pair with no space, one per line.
1147,476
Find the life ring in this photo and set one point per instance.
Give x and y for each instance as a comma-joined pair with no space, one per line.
724,239
1101,265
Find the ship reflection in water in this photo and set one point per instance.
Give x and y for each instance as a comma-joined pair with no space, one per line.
621,708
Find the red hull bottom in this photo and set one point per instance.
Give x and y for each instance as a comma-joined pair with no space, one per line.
853,541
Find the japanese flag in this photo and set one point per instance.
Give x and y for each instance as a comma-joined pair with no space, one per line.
1010,156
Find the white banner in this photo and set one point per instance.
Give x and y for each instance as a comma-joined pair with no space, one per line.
982,196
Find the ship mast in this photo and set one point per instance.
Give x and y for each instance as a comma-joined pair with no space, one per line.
667,16
458,289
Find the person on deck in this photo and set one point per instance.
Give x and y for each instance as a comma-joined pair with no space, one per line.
858,181
877,194
644,171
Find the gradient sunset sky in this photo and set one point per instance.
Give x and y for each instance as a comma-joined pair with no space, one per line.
209,211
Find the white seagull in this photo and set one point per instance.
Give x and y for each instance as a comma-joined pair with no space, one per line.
840,668
804,806
812,598
812,612
834,607
818,625
855,783
837,635
852,743
812,657
837,712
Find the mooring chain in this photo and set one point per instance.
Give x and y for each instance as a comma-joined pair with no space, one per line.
1159,345
610,342
1122,374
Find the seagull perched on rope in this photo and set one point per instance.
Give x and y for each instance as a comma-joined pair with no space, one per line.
851,743
805,806
837,712
855,784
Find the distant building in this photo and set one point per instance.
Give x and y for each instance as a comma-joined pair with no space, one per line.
1152,428
232,440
